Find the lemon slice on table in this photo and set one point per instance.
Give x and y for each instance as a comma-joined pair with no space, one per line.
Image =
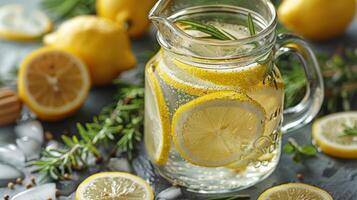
157,124
328,133
16,24
215,129
114,185
244,77
295,191
53,83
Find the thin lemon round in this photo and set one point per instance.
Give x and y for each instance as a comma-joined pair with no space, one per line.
243,77
174,78
157,124
114,185
211,130
295,191
328,134
53,83
16,24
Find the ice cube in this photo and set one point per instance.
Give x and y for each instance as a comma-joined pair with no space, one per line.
119,164
32,129
9,173
30,147
11,154
170,193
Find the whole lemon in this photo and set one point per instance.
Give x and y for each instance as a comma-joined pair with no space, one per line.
101,44
317,19
134,13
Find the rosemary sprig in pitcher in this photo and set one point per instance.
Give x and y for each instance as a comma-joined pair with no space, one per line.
220,34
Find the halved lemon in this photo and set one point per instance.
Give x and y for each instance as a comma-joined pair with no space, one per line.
328,134
53,83
243,77
114,185
157,124
19,24
295,191
216,129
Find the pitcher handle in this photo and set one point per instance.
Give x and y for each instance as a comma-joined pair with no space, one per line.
304,112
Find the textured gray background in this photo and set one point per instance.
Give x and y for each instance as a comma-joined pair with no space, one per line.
337,176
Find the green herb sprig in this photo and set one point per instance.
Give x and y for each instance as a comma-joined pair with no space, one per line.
118,126
299,152
212,31
349,130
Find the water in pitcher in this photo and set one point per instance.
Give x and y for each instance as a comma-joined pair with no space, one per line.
213,126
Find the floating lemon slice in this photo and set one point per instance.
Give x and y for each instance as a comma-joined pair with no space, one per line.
244,77
181,80
213,130
53,83
114,185
157,124
16,24
295,191
328,132
271,98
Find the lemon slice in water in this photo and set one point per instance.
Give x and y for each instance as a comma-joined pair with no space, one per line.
157,124
215,129
328,133
114,185
244,77
295,191
16,24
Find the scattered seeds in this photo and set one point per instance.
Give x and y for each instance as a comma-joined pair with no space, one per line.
11,185
28,186
18,181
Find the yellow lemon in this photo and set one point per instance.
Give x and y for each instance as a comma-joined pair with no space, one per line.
18,24
295,191
334,134
317,19
53,83
100,43
114,185
134,13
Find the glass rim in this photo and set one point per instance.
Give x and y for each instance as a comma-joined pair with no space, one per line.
267,30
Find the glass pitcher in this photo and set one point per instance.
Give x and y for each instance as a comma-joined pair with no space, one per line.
214,107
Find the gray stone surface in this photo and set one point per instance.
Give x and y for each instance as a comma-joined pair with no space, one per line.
337,176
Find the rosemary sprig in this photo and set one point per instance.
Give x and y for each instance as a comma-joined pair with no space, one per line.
62,9
349,130
119,126
250,24
298,152
212,31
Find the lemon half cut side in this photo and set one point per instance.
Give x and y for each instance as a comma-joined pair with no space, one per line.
19,24
114,185
53,83
295,191
328,134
